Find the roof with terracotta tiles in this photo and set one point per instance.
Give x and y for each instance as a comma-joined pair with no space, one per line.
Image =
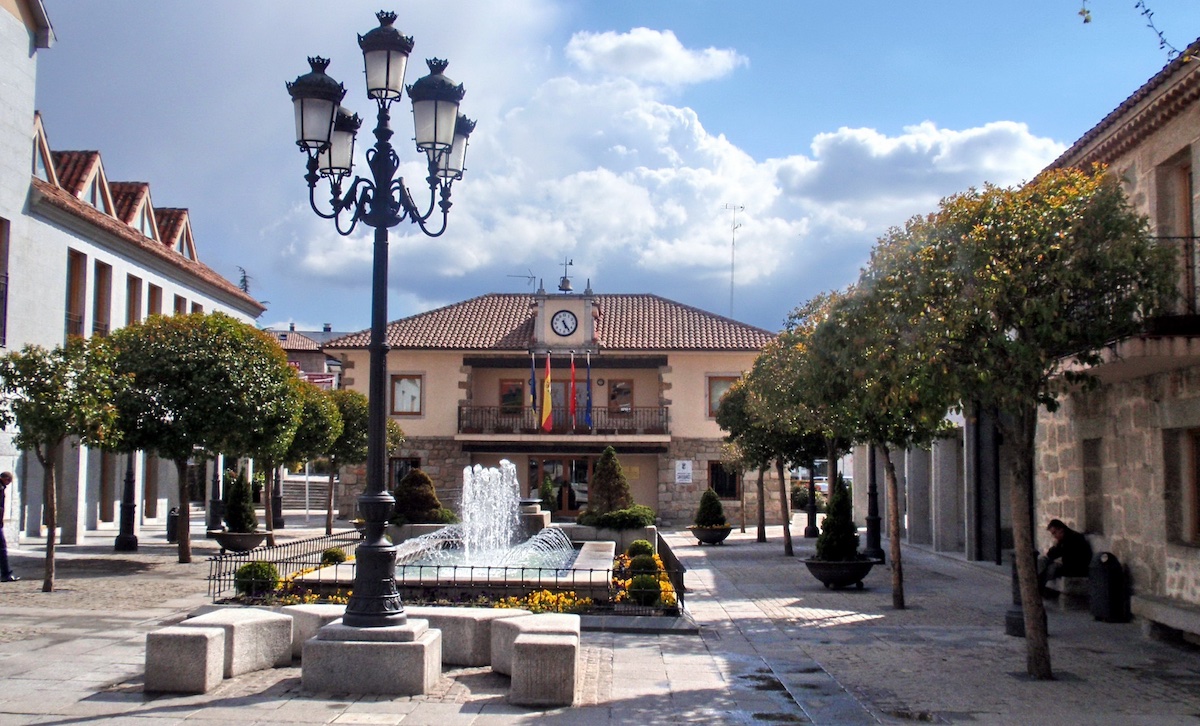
291,340
1176,86
74,168
505,321
62,199
126,197
170,224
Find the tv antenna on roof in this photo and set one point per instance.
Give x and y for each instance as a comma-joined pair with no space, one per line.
530,279
564,285
732,248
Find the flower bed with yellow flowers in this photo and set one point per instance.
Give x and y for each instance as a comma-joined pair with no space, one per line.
638,582
545,601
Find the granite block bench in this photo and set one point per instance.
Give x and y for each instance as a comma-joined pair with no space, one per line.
1074,593
506,630
544,669
466,632
184,660
254,639
307,620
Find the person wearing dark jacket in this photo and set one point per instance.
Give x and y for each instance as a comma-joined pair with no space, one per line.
6,573
1069,556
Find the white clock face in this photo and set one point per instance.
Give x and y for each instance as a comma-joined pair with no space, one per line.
563,322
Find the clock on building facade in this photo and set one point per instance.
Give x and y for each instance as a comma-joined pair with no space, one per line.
564,322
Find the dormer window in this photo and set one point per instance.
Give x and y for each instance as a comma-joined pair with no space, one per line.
145,222
94,195
39,162
184,245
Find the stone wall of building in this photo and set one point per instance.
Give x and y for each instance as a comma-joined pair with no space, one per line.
1140,425
677,502
441,458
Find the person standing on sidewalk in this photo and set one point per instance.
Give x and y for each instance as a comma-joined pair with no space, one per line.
6,573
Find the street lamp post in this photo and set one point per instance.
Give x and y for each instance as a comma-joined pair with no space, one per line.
127,540
325,132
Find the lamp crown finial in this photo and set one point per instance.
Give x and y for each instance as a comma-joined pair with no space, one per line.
317,63
437,65
385,17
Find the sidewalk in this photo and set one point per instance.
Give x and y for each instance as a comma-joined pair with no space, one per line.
775,647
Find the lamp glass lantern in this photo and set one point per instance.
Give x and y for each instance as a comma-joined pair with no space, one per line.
385,57
451,165
337,159
315,98
435,100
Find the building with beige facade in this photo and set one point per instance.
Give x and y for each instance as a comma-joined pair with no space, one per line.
466,384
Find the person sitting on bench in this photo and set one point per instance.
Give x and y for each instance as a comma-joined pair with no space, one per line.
1070,556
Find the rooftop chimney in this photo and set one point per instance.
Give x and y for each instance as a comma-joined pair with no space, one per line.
327,327
291,327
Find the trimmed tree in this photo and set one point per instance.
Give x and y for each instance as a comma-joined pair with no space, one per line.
350,446
1030,285
200,382
55,397
320,426
609,489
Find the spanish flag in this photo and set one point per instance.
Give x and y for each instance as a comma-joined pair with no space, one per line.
547,419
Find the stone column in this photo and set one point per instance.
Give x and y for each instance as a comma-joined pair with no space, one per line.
947,488
917,488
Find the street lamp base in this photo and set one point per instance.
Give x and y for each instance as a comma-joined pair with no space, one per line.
125,543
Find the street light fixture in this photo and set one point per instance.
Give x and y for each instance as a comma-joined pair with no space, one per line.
325,132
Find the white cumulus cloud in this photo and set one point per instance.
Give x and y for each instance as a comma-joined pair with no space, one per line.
650,56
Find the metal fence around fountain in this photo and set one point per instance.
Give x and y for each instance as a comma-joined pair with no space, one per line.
299,564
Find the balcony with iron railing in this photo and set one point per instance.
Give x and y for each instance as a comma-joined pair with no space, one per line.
74,325
629,421
1184,319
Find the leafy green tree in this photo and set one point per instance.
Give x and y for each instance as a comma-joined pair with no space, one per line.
752,439
320,426
1028,286
200,383
350,446
270,442
58,397
838,541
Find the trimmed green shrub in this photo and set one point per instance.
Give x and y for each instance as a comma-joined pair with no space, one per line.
333,556
800,498
633,517
645,590
546,492
255,578
710,513
643,565
640,547
838,541
417,502
239,509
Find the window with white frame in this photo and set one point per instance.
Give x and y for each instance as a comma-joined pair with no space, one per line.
407,390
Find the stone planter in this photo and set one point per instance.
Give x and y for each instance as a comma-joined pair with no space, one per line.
237,541
710,535
836,575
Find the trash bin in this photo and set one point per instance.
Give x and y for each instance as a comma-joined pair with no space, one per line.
1107,591
173,525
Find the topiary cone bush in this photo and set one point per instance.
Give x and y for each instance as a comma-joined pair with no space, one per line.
710,513
838,541
239,508
609,490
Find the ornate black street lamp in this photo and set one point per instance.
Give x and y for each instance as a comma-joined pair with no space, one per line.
325,132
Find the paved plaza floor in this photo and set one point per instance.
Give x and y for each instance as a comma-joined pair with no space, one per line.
774,648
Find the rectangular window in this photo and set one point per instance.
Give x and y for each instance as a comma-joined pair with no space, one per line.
1093,487
718,386
620,396
722,482
133,299
4,232
76,291
406,395
154,300
197,308
180,305
102,299
512,396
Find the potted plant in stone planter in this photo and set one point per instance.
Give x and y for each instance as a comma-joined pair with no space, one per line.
709,525
241,523
838,563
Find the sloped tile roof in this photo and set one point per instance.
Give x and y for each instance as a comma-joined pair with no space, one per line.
126,197
502,321
48,194
170,224
291,340
73,168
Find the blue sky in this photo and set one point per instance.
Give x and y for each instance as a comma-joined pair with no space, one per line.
611,133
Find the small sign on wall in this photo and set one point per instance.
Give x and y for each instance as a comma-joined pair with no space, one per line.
683,472
632,473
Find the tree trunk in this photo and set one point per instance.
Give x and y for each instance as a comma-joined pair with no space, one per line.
762,507
1037,645
47,459
183,526
741,483
893,495
329,501
269,501
784,508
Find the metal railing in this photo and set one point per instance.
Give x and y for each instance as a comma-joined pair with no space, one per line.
463,585
1186,250
74,325
527,420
